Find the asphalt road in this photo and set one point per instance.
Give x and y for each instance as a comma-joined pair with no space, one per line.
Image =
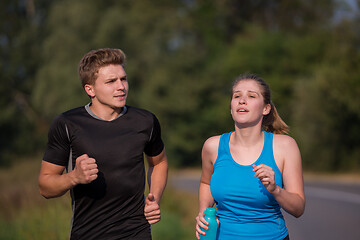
332,208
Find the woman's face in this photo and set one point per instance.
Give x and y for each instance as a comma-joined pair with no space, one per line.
247,103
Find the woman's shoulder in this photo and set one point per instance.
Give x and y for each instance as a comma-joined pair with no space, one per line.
211,144
284,140
284,143
211,141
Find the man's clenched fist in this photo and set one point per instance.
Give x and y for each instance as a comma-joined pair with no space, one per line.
85,170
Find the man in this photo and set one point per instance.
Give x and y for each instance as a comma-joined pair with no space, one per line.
102,146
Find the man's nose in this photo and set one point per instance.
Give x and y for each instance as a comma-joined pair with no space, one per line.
120,84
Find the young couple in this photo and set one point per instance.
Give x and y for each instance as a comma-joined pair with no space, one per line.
249,173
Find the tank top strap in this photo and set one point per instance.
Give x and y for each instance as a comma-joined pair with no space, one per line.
224,142
223,152
268,144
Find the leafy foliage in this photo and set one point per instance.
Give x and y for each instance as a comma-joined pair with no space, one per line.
182,58
327,120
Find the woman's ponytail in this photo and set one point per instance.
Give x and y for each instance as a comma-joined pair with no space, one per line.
273,122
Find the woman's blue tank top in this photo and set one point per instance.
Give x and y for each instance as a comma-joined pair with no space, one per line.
245,208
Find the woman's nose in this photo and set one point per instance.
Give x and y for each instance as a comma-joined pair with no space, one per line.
242,100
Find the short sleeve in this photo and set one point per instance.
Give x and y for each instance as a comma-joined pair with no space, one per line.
155,144
58,146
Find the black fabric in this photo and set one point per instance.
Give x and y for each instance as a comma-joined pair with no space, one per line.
112,206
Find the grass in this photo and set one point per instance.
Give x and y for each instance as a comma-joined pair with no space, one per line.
25,214
178,216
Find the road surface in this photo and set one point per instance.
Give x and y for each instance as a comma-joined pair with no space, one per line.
332,208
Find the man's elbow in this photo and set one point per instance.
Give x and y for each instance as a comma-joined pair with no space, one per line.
49,195
45,193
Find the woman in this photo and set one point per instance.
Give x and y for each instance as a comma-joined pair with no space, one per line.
253,171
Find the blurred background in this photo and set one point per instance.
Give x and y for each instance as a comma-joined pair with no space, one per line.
182,57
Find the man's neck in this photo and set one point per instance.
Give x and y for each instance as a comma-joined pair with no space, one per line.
106,114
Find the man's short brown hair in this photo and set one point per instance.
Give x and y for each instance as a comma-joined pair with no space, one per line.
92,61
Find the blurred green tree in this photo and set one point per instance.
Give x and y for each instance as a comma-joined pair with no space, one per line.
182,58
20,41
328,110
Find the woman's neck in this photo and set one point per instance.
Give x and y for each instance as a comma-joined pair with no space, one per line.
248,136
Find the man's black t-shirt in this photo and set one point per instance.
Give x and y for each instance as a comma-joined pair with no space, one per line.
112,206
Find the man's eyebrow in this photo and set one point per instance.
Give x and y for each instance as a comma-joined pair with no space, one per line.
115,77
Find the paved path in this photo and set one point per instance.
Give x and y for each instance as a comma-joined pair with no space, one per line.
332,208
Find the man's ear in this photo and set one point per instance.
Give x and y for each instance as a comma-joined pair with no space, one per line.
267,109
89,89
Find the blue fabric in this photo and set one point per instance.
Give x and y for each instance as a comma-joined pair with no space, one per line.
245,208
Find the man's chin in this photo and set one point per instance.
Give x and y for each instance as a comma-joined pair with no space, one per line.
119,105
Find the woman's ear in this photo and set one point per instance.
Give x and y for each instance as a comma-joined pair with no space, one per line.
89,89
267,109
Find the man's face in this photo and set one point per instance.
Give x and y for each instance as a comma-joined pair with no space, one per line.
110,88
